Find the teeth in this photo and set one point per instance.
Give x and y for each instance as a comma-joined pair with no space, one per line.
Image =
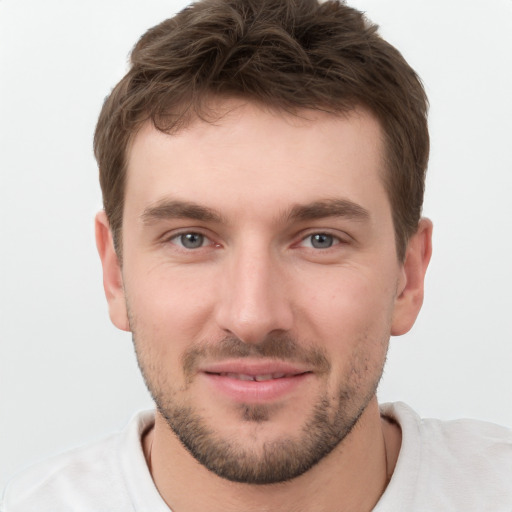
239,376
257,378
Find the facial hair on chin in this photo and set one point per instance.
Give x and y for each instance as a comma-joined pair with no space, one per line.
279,460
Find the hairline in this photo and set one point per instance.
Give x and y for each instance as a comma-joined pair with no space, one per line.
202,114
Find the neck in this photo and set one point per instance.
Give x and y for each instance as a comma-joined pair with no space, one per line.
351,478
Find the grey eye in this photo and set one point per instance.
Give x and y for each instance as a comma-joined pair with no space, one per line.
321,241
191,240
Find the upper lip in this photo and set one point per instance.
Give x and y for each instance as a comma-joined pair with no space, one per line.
254,367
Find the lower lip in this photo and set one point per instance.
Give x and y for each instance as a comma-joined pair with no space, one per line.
256,392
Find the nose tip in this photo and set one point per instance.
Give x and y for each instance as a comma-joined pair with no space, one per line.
253,302
253,329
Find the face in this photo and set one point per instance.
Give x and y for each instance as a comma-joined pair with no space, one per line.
260,282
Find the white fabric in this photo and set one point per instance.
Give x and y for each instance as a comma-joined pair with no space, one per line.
461,465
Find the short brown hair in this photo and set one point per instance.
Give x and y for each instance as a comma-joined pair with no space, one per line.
287,54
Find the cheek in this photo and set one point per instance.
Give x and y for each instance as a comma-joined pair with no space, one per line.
350,314
167,314
348,298
169,305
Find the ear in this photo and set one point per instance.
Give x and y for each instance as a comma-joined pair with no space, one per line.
112,276
411,285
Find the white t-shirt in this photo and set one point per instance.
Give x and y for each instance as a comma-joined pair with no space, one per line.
461,465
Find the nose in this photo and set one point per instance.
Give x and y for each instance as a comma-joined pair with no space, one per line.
254,296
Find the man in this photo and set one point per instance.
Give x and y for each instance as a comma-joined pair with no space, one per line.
262,167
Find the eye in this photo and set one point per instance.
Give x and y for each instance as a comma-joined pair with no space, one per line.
320,241
190,240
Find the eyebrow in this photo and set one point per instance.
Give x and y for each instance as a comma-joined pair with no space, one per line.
174,209
328,208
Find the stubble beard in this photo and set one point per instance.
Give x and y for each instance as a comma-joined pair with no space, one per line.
281,459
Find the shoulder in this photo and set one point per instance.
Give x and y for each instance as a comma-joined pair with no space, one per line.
452,465
461,439
85,479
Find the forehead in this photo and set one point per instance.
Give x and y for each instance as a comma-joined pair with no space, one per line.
249,156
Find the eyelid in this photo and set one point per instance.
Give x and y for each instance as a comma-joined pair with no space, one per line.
178,240
340,238
171,236
308,240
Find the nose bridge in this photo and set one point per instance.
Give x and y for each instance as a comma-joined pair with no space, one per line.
253,300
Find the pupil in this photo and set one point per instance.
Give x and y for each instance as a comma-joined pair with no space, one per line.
192,240
321,241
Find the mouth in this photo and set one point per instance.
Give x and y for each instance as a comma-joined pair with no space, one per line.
255,382
256,378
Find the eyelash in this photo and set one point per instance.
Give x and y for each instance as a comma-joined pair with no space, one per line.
335,240
177,240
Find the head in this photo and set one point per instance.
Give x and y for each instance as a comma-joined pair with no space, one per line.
262,166
289,55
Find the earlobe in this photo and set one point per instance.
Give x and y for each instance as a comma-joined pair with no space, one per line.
411,287
112,275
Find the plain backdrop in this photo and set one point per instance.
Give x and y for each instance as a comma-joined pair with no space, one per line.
67,376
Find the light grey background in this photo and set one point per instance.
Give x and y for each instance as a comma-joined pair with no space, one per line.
68,377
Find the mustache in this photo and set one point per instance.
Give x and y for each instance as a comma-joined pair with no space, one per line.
280,346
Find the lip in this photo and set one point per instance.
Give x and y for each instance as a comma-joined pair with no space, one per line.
233,379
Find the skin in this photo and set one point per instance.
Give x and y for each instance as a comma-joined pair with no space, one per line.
257,276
